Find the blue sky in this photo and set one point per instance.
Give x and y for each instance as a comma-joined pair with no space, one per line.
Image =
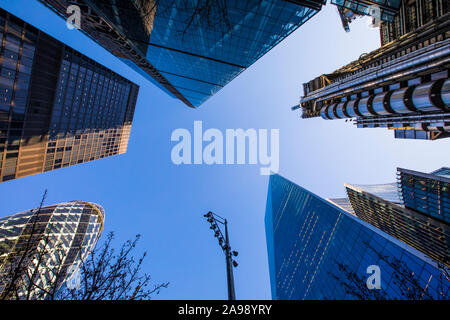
143,192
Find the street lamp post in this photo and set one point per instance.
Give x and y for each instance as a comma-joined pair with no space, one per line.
224,242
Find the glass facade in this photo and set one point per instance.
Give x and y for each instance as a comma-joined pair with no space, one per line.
308,238
386,191
415,105
58,107
412,134
385,9
193,49
62,236
416,212
444,172
428,194
201,59
342,203
416,13
17,51
428,235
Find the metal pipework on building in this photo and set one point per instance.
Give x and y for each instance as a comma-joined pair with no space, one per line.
420,60
433,121
424,98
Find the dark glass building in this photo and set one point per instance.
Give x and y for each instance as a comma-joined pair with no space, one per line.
190,49
317,249
386,191
403,86
57,107
427,193
51,241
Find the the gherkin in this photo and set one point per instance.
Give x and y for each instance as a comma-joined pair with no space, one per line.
45,245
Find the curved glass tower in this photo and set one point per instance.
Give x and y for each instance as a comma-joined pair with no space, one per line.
44,246
58,108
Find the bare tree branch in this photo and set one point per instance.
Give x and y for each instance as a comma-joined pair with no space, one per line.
37,269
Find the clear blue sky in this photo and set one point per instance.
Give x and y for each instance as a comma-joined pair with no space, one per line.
143,192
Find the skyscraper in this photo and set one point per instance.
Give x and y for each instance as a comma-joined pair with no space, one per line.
316,250
427,193
51,242
190,49
403,86
383,10
57,107
421,218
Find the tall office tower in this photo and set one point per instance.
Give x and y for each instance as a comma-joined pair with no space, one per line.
403,86
51,241
57,107
317,250
422,217
190,49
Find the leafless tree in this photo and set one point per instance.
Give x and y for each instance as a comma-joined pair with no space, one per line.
404,280
106,275
35,269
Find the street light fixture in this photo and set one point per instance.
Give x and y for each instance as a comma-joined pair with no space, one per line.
214,219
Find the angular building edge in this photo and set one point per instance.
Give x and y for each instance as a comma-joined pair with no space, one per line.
426,260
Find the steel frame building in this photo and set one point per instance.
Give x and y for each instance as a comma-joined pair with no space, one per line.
403,86
44,246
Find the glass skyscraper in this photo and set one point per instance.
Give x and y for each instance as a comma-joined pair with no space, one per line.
52,241
317,249
427,193
57,107
190,49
